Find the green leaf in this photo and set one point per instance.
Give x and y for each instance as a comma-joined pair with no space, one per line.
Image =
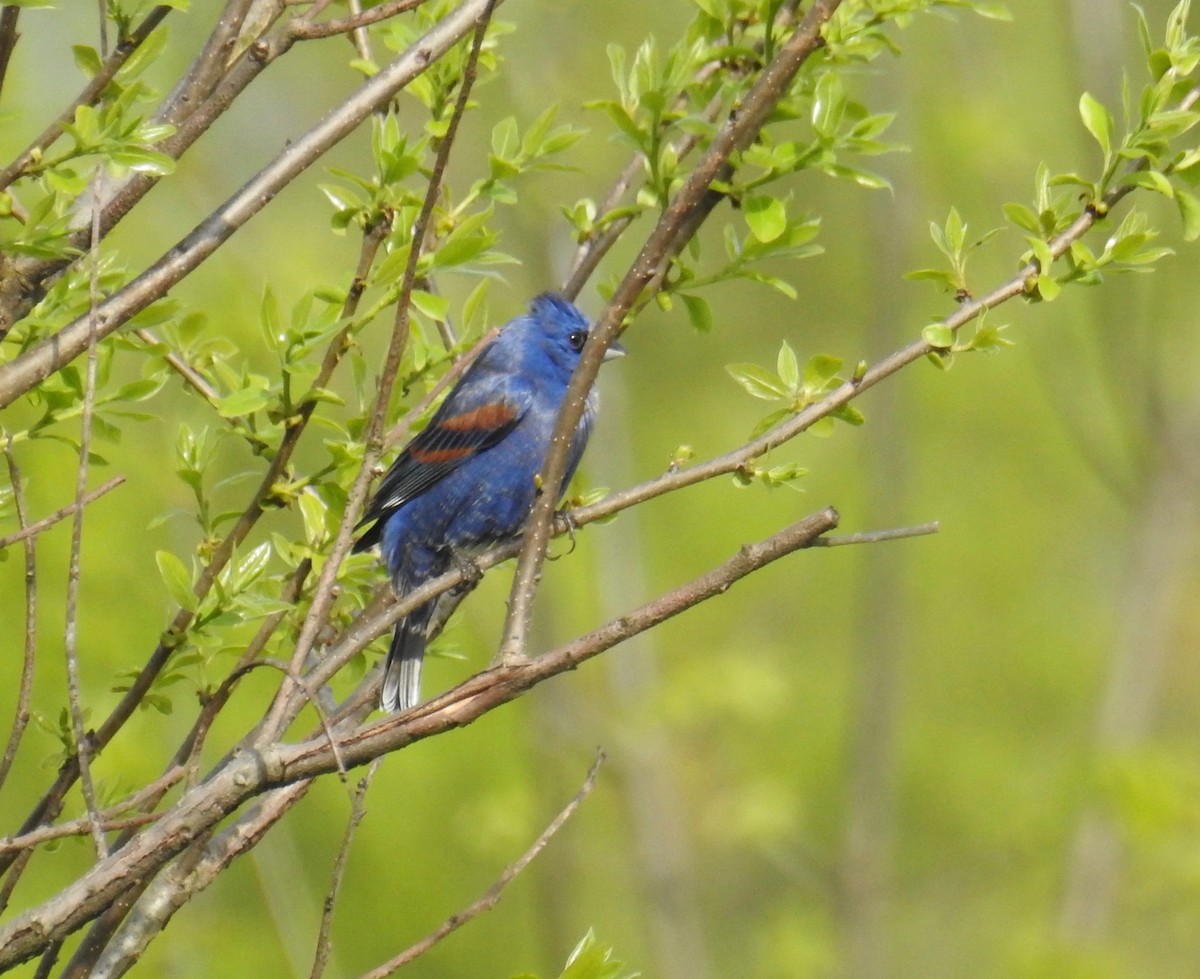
758,382
699,313
938,335
820,370
1098,121
1047,287
1189,212
1150,180
1022,217
177,579
434,306
87,59
789,367
141,160
766,217
253,397
505,141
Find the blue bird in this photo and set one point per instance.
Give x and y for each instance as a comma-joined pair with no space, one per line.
468,479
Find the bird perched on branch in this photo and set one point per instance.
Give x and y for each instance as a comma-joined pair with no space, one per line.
469,478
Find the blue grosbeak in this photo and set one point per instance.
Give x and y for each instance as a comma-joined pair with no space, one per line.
469,478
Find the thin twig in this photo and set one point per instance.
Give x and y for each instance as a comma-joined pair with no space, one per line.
358,809
491,897
359,38
307,31
190,375
877,536
40,526
21,713
76,827
82,738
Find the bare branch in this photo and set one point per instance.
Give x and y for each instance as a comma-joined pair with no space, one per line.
877,536
82,739
304,31
25,686
491,897
358,810
29,531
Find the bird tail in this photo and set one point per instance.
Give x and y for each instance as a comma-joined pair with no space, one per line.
402,674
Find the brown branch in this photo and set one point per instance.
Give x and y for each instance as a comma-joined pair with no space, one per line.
358,810
210,66
491,897
248,772
30,531
305,31
188,876
9,16
21,712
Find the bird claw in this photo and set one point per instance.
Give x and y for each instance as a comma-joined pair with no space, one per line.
569,527
467,566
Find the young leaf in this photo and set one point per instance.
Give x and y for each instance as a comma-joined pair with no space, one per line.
1098,122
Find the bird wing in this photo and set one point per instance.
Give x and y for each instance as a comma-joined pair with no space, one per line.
475,416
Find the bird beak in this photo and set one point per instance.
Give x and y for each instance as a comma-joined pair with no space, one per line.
614,351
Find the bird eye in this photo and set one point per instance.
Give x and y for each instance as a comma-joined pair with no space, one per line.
577,338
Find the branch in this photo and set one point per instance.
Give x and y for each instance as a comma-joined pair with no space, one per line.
877,536
306,31
29,531
25,686
8,38
82,738
358,810
491,897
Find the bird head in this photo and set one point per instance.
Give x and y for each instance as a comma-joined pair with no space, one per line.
566,329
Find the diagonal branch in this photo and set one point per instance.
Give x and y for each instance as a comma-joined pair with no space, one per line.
491,897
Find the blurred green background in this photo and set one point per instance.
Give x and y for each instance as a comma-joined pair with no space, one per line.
971,754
